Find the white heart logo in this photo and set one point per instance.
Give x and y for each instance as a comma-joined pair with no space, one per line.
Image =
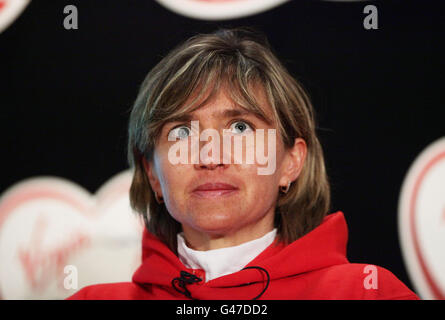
10,10
422,221
48,223
219,9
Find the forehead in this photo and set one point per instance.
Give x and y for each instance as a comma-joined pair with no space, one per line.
222,104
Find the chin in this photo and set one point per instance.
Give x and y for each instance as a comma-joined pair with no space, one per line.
215,210
215,223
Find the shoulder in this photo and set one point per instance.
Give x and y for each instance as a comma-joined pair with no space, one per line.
108,291
365,281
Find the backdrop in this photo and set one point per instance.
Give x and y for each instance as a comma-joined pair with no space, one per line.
65,95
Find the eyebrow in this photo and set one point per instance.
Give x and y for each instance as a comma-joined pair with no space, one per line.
228,113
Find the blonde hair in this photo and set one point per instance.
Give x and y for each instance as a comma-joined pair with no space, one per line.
239,59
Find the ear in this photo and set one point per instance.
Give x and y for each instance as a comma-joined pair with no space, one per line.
294,161
152,177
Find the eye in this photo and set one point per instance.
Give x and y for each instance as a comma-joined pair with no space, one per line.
240,127
180,132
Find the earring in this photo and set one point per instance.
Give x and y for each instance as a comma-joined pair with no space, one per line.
158,199
285,189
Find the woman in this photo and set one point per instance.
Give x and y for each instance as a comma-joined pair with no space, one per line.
217,225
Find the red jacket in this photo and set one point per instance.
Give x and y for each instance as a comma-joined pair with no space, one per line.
312,267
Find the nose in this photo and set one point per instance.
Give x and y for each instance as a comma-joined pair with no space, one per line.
211,154
210,166
210,162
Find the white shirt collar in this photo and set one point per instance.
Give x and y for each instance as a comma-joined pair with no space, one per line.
219,262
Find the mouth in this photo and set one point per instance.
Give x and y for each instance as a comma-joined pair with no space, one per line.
213,190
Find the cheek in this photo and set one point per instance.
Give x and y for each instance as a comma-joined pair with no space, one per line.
173,190
168,176
258,187
170,183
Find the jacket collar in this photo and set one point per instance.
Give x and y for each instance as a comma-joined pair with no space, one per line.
322,247
220,262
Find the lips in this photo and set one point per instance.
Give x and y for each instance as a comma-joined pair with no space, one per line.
217,189
215,186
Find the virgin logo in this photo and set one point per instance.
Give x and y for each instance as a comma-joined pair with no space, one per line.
40,264
443,215
47,223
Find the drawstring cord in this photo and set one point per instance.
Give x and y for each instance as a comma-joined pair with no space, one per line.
268,279
185,279
180,283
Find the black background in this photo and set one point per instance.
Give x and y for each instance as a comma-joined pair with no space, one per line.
379,94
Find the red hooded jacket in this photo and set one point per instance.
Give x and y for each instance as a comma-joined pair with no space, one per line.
312,267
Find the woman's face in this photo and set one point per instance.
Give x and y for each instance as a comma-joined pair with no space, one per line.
222,199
